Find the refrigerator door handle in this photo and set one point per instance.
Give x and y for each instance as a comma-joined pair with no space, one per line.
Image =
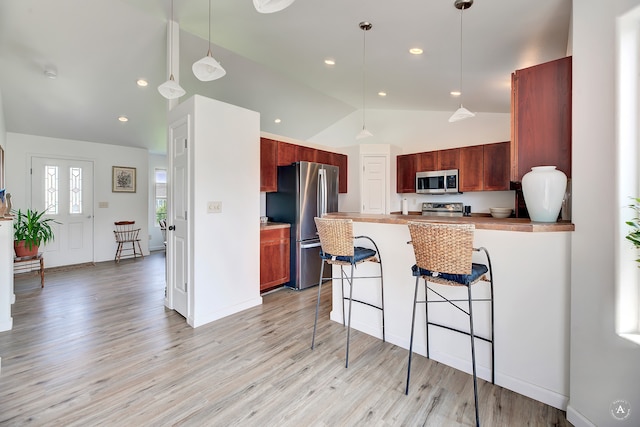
322,192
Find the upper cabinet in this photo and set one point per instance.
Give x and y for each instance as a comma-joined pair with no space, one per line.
448,159
541,117
406,168
496,166
268,169
278,153
471,171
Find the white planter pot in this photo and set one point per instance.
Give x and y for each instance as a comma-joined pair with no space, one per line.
543,189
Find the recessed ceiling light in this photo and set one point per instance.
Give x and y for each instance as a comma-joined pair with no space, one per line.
330,61
455,93
123,119
277,120
382,93
142,82
415,51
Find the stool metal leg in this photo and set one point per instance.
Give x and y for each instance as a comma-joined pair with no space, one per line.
315,324
344,322
349,322
473,356
426,314
413,323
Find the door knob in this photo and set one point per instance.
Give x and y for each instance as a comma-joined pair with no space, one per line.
172,227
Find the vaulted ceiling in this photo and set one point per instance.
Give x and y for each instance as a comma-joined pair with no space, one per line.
274,62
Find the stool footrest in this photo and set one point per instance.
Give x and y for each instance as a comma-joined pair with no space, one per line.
460,331
363,302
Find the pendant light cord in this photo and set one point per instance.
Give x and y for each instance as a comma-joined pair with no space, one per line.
364,79
461,11
171,45
209,25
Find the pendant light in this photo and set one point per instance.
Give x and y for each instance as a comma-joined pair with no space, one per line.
207,68
171,89
364,26
270,6
461,113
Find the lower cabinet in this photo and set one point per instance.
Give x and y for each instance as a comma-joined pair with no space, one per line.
274,256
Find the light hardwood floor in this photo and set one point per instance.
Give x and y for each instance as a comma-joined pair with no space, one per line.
97,347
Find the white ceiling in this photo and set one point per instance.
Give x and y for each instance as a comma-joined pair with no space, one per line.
274,62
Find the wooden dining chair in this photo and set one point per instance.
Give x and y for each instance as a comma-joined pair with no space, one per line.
126,232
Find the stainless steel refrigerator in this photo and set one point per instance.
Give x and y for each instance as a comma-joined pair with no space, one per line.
305,190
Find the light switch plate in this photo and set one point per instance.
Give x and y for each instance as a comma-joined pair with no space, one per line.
214,207
103,204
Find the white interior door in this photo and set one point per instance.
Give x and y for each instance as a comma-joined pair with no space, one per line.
177,224
374,183
64,188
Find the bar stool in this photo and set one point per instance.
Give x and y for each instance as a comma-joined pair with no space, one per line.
337,241
443,256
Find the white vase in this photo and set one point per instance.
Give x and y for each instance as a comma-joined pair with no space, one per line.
543,189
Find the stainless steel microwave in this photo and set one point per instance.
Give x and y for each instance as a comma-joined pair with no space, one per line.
437,182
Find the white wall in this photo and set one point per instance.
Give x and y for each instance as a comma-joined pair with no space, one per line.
604,367
122,206
225,247
156,242
3,127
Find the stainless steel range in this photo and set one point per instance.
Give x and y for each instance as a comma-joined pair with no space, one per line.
442,209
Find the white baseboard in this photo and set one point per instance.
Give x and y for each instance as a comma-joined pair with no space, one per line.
577,419
524,388
210,317
7,325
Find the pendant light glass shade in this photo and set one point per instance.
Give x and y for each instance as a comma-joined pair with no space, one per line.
461,113
170,89
270,6
364,26
207,68
364,133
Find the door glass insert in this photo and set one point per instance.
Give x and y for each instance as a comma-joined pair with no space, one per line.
51,189
75,190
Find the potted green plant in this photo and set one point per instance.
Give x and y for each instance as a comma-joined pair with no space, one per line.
634,234
30,230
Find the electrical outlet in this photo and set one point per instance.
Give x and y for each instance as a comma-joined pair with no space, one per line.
214,207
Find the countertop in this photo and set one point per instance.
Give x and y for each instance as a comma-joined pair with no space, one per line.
481,221
272,225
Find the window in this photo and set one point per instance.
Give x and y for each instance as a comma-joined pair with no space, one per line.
628,166
161,194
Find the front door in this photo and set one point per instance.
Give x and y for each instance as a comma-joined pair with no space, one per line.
177,224
64,188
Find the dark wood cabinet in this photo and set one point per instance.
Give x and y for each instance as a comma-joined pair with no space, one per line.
541,117
274,257
406,168
278,153
472,168
268,161
448,159
427,161
286,153
340,160
496,166
324,157
306,154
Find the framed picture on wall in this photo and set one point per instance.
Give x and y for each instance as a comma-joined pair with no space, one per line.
123,179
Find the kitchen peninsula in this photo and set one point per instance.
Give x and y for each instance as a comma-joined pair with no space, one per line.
531,266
